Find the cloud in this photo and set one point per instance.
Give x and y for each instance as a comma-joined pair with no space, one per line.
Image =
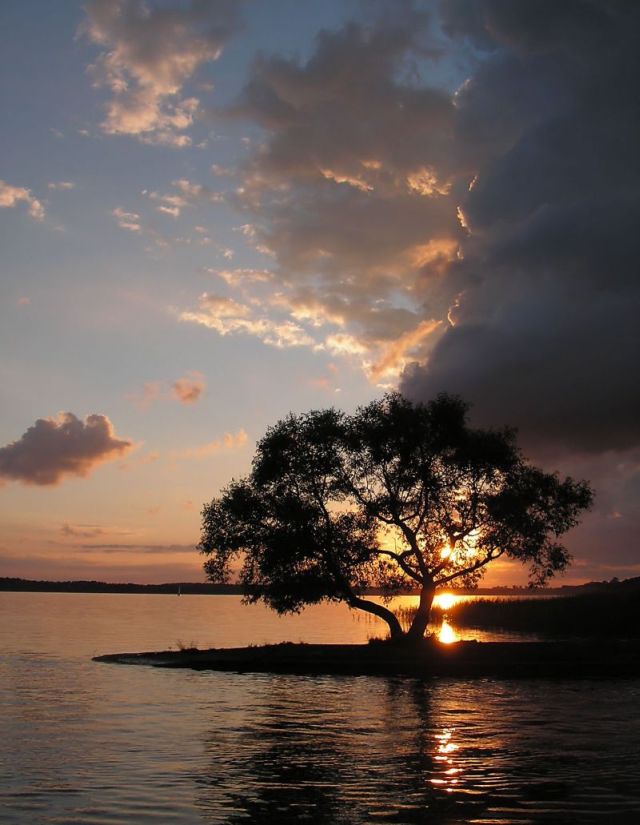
127,220
353,177
306,318
230,441
57,447
174,211
84,531
133,222
11,196
186,194
151,391
238,277
394,356
349,192
460,192
543,329
189,388
149,54
153,549
63,185
482,227
227,317
328,381
89,531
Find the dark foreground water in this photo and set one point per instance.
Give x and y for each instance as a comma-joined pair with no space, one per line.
91,743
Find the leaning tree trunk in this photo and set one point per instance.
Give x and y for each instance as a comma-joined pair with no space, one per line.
421,619
395,629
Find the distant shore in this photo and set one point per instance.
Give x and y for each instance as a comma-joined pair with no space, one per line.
206,588
82,586
468,660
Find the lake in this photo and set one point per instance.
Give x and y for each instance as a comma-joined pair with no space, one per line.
92,744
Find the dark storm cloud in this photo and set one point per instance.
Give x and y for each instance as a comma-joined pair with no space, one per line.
545,327
57,447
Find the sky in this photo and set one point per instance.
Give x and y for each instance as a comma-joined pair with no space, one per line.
214,212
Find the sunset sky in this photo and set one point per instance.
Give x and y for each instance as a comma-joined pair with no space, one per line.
218,211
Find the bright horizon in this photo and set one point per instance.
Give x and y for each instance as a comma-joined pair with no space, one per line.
210,219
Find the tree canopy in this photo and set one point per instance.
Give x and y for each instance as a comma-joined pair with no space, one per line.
396,496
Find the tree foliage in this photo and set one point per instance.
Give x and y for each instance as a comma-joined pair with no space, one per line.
396,496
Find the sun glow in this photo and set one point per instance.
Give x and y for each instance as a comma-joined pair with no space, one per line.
445,601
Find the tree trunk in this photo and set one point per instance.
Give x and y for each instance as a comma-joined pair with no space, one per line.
421,619
378,610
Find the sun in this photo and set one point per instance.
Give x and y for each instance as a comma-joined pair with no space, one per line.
445,600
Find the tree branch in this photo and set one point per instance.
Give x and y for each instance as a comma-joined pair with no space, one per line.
402,563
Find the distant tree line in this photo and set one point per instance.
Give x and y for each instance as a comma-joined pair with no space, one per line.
193,588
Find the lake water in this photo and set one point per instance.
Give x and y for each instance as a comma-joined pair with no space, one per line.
97,744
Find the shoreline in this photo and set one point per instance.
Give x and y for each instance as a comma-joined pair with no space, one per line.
580,659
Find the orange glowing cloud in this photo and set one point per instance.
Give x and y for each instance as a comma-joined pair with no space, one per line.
148,54
189,388
11,196
393,358
229,441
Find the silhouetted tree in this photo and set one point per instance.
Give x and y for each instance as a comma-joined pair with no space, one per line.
397,495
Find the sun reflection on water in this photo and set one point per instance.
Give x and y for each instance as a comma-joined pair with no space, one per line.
445,601
444,750
447,635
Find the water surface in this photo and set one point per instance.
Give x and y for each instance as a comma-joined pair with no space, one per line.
90,743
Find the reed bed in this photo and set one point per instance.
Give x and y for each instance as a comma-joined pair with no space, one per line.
590,614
